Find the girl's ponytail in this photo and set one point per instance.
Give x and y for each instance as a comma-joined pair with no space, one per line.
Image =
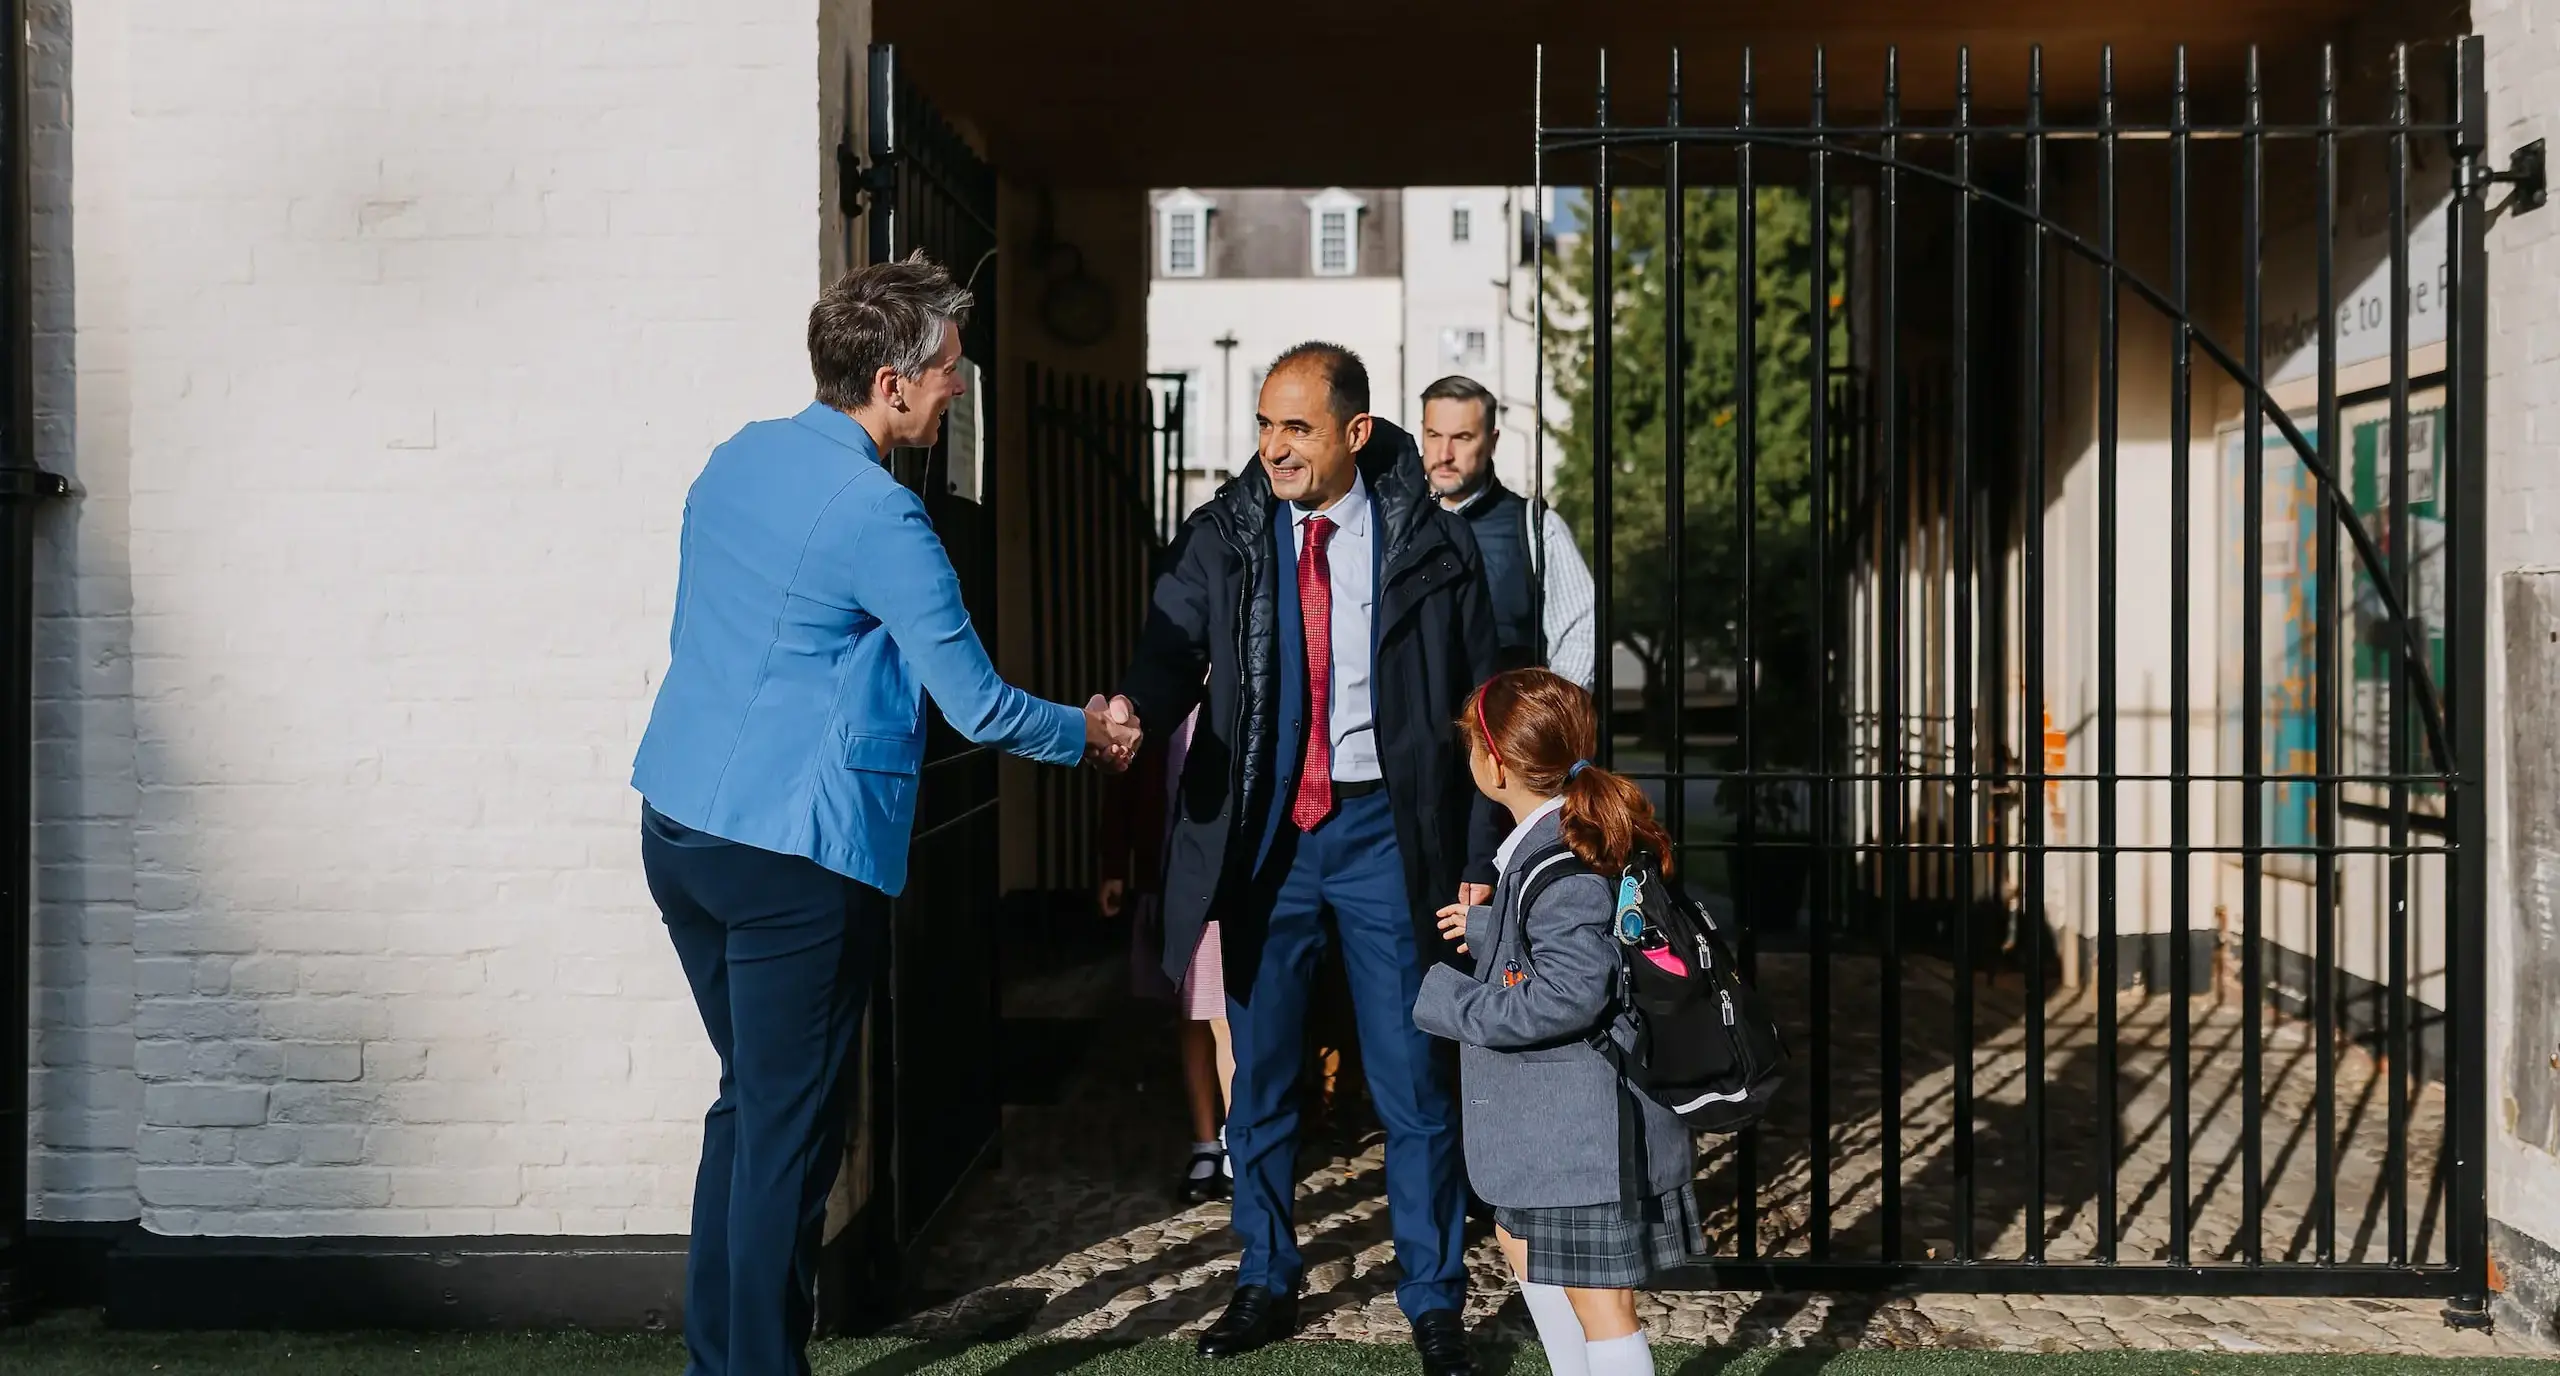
1544,730
1607,820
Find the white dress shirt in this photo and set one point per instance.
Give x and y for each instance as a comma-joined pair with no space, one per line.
1350,555
1511,844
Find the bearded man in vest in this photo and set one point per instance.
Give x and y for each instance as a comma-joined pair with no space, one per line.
1541,589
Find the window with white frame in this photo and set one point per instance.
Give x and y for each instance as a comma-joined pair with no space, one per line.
1333,221
1462,223
1182,234
1463,348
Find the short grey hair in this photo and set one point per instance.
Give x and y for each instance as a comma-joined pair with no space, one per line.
885,315
1460,387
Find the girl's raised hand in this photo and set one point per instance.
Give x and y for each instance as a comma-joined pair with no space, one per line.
1453,926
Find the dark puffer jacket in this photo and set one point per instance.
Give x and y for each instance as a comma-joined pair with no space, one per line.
1217,612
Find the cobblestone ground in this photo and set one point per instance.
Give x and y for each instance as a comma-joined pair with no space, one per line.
1077,1234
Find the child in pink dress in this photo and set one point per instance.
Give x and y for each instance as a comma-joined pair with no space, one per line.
1132,875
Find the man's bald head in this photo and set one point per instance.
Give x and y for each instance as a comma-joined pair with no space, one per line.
1342,371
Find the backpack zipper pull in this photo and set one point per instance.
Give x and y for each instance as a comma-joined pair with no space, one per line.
1726,997
1706,956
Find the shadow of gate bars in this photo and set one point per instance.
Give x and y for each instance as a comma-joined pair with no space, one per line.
2072,511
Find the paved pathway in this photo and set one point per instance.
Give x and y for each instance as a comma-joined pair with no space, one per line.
1076,1235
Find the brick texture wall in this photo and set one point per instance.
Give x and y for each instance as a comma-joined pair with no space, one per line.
87,1100
382,340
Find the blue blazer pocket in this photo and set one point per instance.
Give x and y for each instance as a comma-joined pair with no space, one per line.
884,754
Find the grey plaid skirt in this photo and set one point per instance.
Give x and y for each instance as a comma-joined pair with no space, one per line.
1597,1247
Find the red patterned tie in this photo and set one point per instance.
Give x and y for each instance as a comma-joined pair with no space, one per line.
1315,609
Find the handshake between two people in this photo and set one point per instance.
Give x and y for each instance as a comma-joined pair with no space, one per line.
1111,733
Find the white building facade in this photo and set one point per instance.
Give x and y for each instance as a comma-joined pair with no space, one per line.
1421,282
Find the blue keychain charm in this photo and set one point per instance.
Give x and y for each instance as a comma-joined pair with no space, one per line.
1631,908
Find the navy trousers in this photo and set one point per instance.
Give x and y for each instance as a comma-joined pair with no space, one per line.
1350,865
779,953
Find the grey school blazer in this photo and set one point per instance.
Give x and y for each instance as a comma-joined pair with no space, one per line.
1542,1112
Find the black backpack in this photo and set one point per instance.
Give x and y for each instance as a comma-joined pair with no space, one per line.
1705,1045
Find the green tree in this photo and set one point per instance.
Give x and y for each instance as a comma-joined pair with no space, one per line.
1789,327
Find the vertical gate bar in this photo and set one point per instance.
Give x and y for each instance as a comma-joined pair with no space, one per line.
1083,508
2109,1052
1040,682
2253,712
2467,334
1818,941
1889,599
1960,551
1675,466
2032,715
2400,533
1604,457
1037,386
1746,503
1538,274
2324,790
1060,626
1079,554
1074,543
2181,733
1054,525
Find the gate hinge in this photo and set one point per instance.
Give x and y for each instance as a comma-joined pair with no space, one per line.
16,481
854,181
2524,173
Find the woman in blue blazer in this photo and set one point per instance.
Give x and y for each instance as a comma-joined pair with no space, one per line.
815,609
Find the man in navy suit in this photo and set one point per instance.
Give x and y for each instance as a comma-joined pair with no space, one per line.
1341,618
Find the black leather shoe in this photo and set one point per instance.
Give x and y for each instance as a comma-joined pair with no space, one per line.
1255,1319
1441,1337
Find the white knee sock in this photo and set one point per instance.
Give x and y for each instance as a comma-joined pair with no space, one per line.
1627,1356
1558,1330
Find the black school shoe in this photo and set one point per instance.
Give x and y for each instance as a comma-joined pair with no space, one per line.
1207,1177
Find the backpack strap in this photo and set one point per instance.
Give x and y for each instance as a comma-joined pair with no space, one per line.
1546,866
1536,514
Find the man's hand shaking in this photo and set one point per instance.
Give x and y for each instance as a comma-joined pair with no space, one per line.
1111,733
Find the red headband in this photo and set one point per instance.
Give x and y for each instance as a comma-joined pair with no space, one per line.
1487,731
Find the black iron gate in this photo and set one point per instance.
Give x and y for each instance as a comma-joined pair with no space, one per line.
2048,535
931,1108
1096,475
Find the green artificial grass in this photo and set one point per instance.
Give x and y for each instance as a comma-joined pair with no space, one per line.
78,1346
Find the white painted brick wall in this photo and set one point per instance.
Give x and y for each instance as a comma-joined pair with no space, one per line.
87,1098
2522,38
400,331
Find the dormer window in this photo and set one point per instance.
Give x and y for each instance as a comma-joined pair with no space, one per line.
1182,234
1333,223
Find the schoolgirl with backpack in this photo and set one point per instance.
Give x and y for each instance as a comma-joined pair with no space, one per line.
1603,1024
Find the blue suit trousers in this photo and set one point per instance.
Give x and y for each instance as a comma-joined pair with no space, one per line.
779,951
1350,865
